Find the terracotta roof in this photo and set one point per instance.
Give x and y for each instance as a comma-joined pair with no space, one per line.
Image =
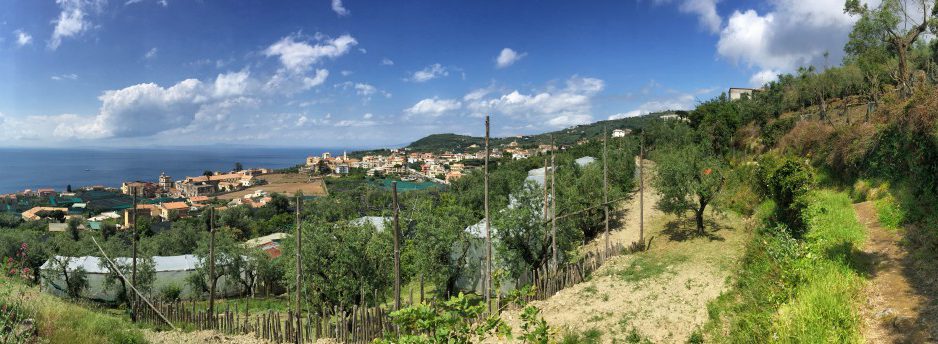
174,205
31,213
198,199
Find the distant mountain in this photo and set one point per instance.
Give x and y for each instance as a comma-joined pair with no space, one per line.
568,136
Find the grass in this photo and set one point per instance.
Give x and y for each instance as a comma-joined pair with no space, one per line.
890,213
590,336
790,291
646,266
60,321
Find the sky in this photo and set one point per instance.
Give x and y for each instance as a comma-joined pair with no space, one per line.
377,73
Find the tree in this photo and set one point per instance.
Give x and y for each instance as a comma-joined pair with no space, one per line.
786,180
522,239
436,244
146,274
238,167
68,188
899,26
228,260
208,173
688,179
342,263
73,227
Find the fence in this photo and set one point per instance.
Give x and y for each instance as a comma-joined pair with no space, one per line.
356,325
360,324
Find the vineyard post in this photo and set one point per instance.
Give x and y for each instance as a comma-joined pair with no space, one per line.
133,272
299,270
211,266
641,191
606,192
488,226
553,206
397,248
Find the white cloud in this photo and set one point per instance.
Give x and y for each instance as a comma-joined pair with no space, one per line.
298,56
433,107
232,84
65,77
558,107
150,53
346,72
339,8
366,116
667,100
433,71
22,38
763,77
706,11
72,19
508,57
795,33
387,62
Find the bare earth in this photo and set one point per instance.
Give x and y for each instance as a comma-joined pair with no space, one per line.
892,313
283,183
670,301
197,337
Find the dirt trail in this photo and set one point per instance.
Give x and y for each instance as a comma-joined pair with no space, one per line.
893,308
662,294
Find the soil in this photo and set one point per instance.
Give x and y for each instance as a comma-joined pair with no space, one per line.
283,183
198,337
894,306
662,293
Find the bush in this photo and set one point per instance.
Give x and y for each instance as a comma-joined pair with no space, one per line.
786,180
890,213
171,292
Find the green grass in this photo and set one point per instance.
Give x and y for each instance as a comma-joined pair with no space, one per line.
890,213
590,336
60,321
646,266
790,291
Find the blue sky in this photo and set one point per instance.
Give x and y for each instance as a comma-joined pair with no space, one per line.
361,73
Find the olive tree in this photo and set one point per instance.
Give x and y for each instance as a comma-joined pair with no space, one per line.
688,179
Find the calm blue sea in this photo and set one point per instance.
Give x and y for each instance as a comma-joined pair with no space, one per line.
32,168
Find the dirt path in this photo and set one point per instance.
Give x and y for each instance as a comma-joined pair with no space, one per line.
893,308
627,232
661,294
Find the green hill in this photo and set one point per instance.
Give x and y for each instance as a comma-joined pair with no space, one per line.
563,137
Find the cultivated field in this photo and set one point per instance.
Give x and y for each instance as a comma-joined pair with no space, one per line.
283,183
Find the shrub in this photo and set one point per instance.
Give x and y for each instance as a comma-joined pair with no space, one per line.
171,292
786,180
890,213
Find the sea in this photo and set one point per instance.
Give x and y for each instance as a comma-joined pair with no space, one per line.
33,168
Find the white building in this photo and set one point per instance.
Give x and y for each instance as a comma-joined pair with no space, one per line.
170,270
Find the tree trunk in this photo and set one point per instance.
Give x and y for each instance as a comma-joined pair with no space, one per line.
698,215
902,51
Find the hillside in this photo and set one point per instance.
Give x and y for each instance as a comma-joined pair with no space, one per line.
563,137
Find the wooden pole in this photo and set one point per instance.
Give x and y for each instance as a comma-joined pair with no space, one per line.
641,191
546,199
136,292
211,266
299,268
606,192
488,226
397,248
553,206
133,271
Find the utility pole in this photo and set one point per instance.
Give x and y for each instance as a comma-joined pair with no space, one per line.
488,225
211,265
397,248
641,191
133,273
299,270
606,191
553,205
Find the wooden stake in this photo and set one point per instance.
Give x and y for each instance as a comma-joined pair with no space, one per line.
641,191
606,192
299,268
488,226
133,272
397,249
136,292
553,206
211,266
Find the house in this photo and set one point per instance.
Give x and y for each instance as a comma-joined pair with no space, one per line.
141,189
143,210
45,192
168,271
172,210
737,93
621,132
166,182
453,175
105,216
342,169
37,213
270,244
